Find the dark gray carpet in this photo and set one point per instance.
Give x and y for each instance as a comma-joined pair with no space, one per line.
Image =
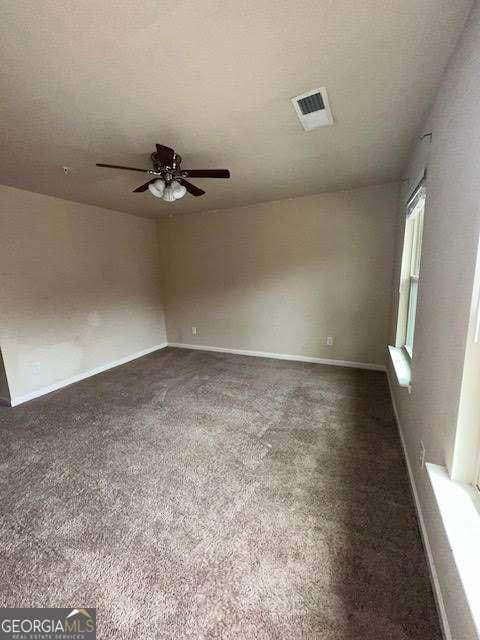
192,495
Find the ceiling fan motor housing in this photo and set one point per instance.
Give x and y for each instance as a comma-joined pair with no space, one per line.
159,163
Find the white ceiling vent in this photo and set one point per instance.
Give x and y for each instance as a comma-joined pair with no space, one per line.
313,109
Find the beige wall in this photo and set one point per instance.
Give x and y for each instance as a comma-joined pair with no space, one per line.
79,288
450,239
281,276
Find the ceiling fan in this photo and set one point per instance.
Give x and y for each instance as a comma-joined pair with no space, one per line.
169,179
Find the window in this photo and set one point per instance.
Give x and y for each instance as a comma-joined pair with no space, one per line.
412,249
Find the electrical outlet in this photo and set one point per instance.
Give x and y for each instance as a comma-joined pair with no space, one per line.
194,331
422,455
35,368
329,341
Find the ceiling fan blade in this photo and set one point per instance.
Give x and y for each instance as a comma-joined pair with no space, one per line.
206,173
191,188
165,154
116,166
143,187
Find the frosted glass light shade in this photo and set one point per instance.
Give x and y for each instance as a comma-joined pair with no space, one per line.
157,188
179,190
159,185
169,194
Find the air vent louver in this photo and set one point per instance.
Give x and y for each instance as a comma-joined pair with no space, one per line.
311,103
312,109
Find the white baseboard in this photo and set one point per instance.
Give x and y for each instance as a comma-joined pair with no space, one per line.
281,356
442,614
16,400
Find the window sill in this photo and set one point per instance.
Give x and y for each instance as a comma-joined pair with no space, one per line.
401,366
459,506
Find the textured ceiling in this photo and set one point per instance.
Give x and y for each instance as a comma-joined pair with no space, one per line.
86,82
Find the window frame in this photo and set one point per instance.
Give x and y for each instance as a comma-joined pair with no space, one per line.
410,268
415,218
